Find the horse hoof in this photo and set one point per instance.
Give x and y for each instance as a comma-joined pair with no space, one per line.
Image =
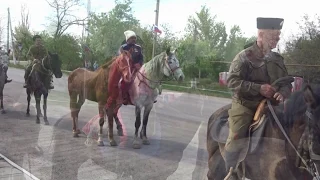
75,134
28,115
100,143
136,144
46,122
120,132
3,112
113,143
38,121
145,142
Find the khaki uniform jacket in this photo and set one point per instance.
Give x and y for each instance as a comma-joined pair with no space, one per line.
249,70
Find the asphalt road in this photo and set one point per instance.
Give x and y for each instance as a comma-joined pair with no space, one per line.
176,130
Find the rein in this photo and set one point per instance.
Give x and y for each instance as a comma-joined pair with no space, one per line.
310,165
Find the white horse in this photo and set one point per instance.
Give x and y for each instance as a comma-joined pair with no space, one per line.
145,90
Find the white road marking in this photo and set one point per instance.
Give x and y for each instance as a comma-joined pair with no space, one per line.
27,174
188,161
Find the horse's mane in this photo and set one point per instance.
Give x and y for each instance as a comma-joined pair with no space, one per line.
101,73
296,106
153,65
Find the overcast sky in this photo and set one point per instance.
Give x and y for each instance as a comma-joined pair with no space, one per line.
176,12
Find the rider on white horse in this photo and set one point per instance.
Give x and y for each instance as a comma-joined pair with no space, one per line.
137,57
4,61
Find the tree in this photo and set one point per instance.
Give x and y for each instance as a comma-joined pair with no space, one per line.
63,18
304,49
1,29
106,29
236,42
203,27
22,35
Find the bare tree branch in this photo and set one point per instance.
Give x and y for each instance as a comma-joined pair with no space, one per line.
63,17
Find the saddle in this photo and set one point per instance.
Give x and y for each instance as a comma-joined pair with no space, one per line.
220,127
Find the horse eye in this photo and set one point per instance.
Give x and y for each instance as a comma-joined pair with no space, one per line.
169,62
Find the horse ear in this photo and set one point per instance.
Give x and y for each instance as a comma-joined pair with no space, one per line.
309,96
168,51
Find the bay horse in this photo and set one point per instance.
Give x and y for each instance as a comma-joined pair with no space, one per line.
2,84
100,86
289,145
38,83
145,89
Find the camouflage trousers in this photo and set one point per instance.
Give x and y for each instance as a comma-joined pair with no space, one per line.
240,118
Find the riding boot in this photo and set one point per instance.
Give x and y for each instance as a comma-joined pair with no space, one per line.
7,80
231,165
6,72
26,76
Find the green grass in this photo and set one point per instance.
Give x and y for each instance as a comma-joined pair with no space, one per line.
216,93
18,66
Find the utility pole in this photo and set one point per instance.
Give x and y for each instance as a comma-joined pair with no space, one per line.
8,30
12,41
156,23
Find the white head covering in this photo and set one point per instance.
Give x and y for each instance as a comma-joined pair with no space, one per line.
129,34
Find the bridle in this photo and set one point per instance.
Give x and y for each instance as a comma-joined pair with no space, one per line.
171,71
128,63
306,137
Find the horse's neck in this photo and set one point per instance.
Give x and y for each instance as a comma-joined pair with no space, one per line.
153,69
294,132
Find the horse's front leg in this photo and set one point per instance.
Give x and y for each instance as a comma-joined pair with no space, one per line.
101,123
143,132
116,119
45,118
1,103
110,114
28,100
136,141
37,97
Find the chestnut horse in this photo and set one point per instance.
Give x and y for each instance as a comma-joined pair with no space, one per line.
289,147
100,86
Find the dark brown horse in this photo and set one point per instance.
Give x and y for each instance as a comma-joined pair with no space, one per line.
289,144
100,86
39,83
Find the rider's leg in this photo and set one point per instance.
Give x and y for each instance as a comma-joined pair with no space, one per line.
26,75
240,118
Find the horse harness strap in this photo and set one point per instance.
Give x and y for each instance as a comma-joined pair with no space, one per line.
312,170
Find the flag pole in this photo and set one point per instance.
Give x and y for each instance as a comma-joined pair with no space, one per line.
155,33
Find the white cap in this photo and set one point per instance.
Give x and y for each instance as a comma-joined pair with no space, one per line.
129,34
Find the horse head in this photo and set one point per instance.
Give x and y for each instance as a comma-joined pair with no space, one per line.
124,63
311,96
172,65
55,64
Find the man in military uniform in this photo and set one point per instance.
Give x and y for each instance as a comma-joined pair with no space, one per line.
251,76
4,60
36,52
